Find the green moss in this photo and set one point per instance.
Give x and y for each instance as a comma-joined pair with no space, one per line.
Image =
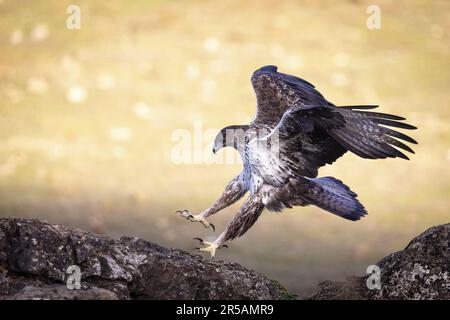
285,294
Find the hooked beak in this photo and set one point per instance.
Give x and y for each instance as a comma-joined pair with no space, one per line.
214,148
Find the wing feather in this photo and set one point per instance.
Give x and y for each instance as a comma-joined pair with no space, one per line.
362,133
314,132
276,92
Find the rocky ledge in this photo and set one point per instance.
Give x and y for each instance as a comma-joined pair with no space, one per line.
39,260
420,271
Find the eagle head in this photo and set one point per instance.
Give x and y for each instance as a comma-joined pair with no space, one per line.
232,136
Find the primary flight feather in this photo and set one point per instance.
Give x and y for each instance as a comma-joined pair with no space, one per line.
295,132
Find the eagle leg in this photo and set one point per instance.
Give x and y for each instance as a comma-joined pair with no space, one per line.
196,218
244,219
232,193
210,247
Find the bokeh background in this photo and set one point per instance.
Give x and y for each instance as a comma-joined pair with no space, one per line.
87,117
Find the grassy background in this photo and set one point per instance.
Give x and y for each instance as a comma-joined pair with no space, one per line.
86,118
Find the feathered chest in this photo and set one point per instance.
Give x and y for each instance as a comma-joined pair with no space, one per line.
263,164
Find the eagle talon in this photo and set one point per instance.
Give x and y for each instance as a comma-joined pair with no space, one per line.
183,213
196,218
210,247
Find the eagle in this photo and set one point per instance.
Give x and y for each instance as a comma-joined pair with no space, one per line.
295,132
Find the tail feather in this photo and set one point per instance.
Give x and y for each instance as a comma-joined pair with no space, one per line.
334,196
365,133
360,107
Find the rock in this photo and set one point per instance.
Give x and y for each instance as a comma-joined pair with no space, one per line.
35,257
59,292
420,271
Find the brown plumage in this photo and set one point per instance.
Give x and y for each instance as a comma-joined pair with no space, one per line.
294,133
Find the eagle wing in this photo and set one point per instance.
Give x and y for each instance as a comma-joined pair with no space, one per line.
313,131
307,135
276,92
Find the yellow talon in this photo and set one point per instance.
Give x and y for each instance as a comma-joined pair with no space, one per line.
196,218
210,247
203,221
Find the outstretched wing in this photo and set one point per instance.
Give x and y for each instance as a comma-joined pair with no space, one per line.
276,92
304,133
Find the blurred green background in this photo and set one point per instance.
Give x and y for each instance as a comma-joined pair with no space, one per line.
87,117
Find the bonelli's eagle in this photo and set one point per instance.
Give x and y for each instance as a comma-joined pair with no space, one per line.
294,133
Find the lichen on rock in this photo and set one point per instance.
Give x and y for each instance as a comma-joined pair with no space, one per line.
35,255
421,271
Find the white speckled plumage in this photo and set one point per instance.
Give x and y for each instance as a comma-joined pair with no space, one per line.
295,132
